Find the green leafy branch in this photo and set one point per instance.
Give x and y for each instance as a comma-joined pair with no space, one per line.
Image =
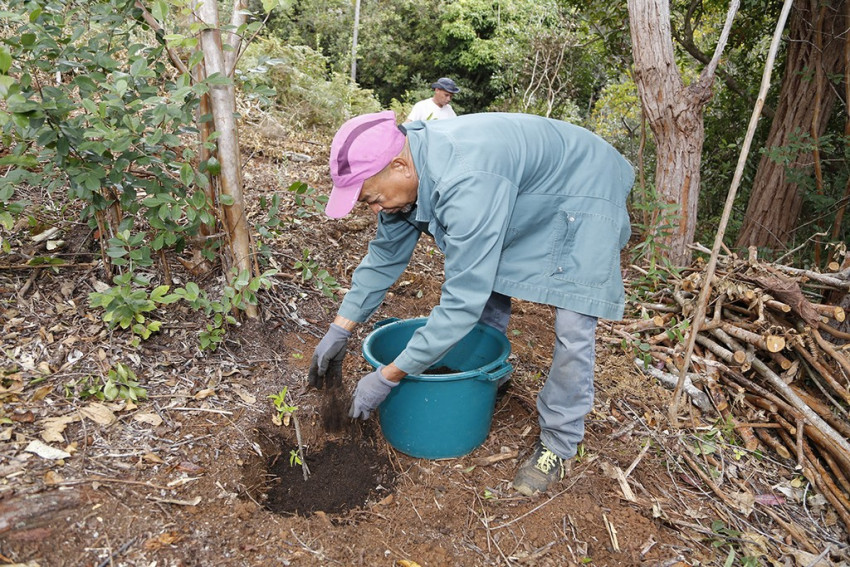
310,271
284,409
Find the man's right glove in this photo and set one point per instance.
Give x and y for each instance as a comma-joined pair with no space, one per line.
326,364
371,390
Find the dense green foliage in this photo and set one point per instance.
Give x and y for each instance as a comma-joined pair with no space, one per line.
306,92
570,59
93,104
95,108
96,117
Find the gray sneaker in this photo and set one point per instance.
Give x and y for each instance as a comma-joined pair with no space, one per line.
540,472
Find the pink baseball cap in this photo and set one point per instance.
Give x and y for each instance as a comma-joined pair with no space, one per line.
362,147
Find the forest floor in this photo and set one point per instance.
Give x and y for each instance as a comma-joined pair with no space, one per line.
199,474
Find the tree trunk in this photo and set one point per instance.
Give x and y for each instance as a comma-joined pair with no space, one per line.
354,41
223,100
674,113
775,201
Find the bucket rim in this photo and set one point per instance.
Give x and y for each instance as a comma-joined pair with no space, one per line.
387,326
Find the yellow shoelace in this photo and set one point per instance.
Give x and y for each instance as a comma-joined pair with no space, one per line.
547,460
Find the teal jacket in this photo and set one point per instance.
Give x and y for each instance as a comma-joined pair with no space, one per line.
530,207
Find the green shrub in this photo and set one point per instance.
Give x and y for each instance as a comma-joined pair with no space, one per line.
308,93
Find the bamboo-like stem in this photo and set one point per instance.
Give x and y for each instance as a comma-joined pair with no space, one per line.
824,373
828,488
839,357
841,426
768,439
832,311
770,343
801,406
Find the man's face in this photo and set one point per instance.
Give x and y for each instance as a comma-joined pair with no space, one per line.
390,191
442,98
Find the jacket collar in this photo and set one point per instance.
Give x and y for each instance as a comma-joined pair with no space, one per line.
416,132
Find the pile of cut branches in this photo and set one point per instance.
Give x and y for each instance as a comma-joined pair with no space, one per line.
770,358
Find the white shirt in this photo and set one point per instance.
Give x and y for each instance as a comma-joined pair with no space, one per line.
428,110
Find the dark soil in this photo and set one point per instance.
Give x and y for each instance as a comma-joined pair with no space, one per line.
441,370
334,410
342,476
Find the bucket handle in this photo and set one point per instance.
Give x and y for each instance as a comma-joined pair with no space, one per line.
496,373
386,321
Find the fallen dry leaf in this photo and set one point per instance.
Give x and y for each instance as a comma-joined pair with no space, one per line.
149,418
45,451
744,500
99,414
205,393
191,468
41,393
54,427
163,540
244,394
770,499
52,477
23,417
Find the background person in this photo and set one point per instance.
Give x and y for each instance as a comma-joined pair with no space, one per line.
437,107
521,206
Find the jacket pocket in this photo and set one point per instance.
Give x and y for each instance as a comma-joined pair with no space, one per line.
585,248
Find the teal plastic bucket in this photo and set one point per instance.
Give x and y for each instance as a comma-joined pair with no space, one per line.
438,416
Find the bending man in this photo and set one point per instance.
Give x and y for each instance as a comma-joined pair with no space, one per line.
521,206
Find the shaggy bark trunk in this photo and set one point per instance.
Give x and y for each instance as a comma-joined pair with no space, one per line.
776,201
674,113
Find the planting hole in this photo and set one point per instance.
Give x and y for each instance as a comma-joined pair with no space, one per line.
345,474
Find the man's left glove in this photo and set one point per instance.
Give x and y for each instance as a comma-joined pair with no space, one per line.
371,390
326,364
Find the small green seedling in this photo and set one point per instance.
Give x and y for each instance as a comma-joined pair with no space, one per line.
119,383
284,410
581,453
294,459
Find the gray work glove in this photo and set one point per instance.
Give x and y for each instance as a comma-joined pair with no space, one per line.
371,390
326,364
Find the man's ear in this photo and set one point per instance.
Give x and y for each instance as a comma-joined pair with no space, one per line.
403,165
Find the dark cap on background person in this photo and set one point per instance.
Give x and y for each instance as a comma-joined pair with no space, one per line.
446,84
362,147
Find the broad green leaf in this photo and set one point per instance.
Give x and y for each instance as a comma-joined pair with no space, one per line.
187,174
158,292
5,59
269,5
196,58
6,84
173,38
110,391
160,10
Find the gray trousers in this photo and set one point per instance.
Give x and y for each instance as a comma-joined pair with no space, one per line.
567,395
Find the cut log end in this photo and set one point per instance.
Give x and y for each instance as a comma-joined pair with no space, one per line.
774,343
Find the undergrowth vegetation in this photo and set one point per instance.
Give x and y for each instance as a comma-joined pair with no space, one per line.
97,119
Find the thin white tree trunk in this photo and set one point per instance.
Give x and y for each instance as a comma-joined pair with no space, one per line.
223,100
354,41
237,18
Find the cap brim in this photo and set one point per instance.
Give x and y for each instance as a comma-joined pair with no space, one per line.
342,200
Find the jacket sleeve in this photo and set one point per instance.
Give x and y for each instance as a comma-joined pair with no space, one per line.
388,256
475,210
